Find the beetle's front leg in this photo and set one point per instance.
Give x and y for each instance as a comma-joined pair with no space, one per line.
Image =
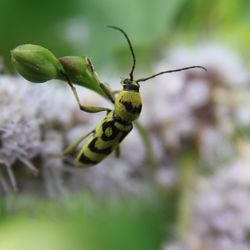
89,109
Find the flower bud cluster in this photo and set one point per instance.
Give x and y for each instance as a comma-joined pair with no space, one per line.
37,64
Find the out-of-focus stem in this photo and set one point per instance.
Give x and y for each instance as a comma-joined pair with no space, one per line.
3,183
188,167
148,146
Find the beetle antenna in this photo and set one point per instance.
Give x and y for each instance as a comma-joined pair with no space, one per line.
169,71
130,47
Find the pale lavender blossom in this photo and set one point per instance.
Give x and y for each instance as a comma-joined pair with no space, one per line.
221,218
27,112
39,120
197,106
222,61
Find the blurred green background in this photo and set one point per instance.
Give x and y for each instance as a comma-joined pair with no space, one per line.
78,27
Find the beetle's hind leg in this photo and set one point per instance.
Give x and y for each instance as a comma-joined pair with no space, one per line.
72,146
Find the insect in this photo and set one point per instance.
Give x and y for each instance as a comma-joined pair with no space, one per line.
117,123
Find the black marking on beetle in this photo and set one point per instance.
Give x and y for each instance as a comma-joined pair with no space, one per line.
125,133
127,82
85,160
94,149
139,108
121,121
114,129
130,108
131,87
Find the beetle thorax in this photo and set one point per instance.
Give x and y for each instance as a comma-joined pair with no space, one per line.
128,105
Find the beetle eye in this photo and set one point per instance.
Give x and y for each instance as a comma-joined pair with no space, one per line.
127,81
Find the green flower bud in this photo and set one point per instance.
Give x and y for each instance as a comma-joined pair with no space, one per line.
36,63
80,71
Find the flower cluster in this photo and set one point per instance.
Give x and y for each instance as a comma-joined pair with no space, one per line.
197,108
221,217
39,121
26,113
190,109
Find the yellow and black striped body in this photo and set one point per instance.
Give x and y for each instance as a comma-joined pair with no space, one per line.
112,129
105,138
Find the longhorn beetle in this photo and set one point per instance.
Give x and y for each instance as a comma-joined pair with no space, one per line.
116,125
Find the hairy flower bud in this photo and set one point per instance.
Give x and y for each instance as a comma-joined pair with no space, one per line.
80,71
36,63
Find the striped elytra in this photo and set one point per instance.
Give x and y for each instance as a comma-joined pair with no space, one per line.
105,138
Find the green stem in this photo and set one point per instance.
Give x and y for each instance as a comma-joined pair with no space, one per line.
148,146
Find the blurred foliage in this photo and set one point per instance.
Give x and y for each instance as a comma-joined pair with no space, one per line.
77,27
86,223
227,20
31,22
45,23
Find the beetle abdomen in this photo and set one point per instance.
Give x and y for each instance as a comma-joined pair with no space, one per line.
108,135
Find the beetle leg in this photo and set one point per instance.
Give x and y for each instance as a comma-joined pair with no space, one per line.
89,109
107,91
72,146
